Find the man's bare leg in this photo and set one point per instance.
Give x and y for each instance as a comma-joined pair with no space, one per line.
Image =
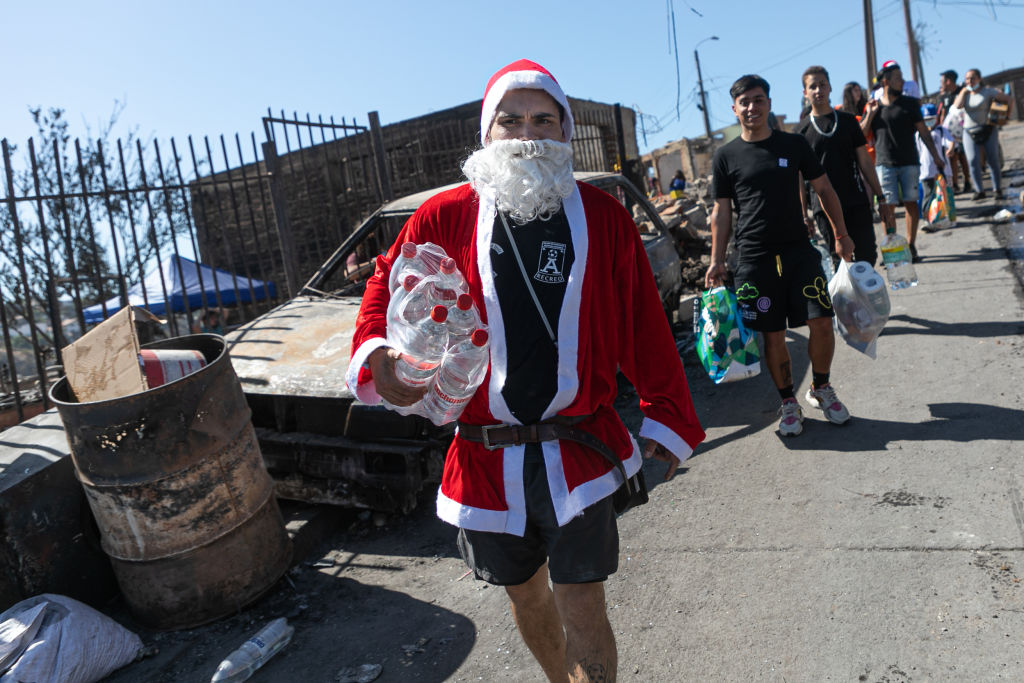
912,216
590,653
821,344
536,616
776,355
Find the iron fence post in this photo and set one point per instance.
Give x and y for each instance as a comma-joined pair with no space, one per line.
380,158
284,233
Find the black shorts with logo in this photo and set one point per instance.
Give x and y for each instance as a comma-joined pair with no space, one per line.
785,287
585,550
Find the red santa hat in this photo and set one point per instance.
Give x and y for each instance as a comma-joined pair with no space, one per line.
522,74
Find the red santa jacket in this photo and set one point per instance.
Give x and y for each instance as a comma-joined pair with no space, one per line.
611,318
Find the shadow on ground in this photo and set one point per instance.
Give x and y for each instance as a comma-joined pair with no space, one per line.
957,422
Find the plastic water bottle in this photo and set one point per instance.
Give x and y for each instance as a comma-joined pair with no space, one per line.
451,278
408,262
899,269
827,267
461,372
254,653
424,349
427,293
462,320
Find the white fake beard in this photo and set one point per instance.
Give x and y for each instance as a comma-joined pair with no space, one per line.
528,178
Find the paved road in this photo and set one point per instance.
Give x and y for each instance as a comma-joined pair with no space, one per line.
889,549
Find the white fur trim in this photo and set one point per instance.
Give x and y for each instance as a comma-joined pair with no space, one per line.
523,79
569,317
652,429
466,517
571,505
367,393
499,351
511,521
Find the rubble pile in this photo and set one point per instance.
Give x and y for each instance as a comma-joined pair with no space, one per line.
687,219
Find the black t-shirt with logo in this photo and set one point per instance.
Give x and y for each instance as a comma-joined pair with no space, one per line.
835,148
762,180
894,127
547,253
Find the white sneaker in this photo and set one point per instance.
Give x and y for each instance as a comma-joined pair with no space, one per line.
824,398
792,416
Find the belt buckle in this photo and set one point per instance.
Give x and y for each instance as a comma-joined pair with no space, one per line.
492,445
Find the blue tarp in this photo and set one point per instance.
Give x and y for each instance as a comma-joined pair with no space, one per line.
178,289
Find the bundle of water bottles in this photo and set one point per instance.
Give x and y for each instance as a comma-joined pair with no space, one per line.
434,323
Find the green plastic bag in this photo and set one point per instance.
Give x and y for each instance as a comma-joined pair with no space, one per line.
726,348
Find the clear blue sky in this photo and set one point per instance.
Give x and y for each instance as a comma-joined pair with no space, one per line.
211,67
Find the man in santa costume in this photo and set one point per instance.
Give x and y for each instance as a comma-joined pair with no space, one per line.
560,275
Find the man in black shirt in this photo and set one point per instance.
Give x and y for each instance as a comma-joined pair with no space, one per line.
839,145
948,90
894,119
779,276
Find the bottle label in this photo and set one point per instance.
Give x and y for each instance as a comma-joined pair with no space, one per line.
450,400
895,255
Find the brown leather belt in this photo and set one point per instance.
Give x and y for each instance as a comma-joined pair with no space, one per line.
559,427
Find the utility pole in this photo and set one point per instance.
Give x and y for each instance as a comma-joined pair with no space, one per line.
915,56
869,43
703,96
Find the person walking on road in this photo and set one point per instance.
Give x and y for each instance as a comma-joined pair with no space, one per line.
532,503
976,100
948,90
779,276
839,145
894,118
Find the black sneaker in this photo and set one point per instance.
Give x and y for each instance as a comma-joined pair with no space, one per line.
914,258
978,195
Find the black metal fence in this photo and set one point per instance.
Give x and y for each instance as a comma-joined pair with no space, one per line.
86,224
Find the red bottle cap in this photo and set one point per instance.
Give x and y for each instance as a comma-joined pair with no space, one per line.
448,265
409,250
465,302
410,280
479,337
439,314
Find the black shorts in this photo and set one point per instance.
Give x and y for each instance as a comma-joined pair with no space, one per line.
786,286
860,224
585,550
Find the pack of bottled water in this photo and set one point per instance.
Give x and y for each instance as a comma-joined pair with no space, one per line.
434,323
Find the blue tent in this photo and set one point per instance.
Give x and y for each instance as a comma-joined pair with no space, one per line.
178,289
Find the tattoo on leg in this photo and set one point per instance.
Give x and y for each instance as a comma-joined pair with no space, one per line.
787,373
595,671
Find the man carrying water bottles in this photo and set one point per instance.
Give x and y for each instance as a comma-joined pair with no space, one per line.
779,275
561,277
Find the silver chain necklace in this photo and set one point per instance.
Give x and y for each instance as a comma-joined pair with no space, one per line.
823,133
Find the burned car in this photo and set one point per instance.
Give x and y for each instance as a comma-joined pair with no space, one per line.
319,443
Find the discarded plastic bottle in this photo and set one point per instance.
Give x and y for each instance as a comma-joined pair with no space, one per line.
827,266
462,320
461,372
899,269
423,350
254,653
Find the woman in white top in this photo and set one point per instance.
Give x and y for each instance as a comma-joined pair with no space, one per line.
976,100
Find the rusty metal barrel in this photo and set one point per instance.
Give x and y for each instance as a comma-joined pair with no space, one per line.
176,482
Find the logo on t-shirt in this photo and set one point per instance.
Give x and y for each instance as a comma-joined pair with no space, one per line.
552,262
783,163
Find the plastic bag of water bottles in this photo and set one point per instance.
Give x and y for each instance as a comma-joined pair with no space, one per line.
725,347
861,304
433,321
